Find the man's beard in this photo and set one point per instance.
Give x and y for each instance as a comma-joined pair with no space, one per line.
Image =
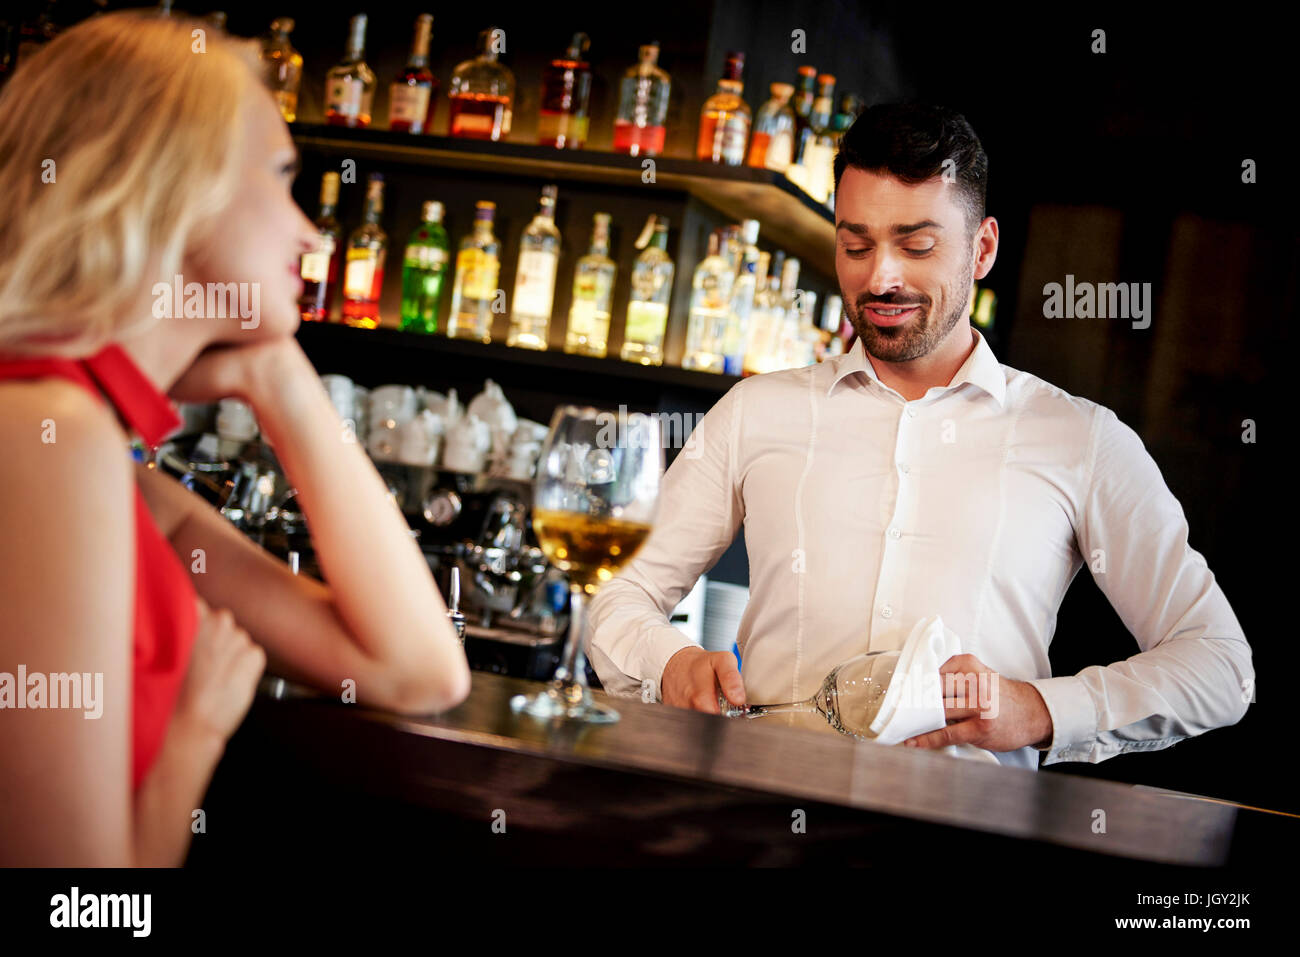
913,339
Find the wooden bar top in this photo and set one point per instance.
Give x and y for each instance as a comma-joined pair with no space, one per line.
757,760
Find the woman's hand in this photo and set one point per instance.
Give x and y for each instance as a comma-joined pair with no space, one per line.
241,372
224,670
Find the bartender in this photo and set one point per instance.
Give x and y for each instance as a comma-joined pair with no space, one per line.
916,475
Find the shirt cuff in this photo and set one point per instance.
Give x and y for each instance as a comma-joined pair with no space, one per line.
1074,716
655,650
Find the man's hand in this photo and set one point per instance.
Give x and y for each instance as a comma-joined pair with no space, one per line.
987,710
692,677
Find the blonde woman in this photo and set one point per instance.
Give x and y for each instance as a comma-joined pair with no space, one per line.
134,150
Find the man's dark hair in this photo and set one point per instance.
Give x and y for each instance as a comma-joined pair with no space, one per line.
911,141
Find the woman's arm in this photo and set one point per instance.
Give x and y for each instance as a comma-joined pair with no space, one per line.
380,619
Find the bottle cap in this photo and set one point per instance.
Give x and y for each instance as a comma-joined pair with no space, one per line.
749,230
782,91
432,211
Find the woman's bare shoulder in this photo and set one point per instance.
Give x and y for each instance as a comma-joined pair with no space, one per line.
53,423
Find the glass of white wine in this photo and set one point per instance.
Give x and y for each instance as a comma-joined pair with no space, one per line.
594,503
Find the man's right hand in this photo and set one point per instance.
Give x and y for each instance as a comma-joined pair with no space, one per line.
692,677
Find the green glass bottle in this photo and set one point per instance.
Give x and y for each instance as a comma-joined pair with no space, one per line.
423,268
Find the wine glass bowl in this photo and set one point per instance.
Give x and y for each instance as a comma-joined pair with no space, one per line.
849,698
594,503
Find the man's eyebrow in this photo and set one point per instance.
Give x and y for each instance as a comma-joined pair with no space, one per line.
861,229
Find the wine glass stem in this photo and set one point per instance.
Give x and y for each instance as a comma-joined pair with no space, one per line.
791,707
566,673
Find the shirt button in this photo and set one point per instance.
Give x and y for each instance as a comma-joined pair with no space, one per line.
911,411
886,612
904,468
895,534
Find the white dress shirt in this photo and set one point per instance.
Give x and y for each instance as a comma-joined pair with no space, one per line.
979,502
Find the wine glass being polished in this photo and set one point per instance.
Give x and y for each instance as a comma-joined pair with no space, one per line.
849,698
594,503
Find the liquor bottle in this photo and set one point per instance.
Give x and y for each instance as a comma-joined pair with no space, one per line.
482,93
411,95
742,300
772,146
642,105
778,356
282,67
706,327
766,321
566,86
539,259
478,266
808,170
424,265
759,313
593,290
724,121
363,277
849,108
320,267
652,287
802,102
350,86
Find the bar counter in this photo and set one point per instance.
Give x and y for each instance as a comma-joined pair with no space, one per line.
664,785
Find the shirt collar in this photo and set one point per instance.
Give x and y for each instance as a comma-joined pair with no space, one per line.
981,369
146,410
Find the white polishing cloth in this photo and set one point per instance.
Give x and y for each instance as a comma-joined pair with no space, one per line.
914,701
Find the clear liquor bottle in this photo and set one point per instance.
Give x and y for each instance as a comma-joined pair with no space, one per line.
539,260
566,87
411,94
706,326
642,106
282,67
725,118
424,265
482,93
593,292
478,266
787,322
363,277
742,300
765,319
350,86
320,267
772,146
652,288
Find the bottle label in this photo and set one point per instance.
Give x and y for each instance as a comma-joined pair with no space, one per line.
478,272
780,151
646,322
426,257
345,96
535,283
315,266
408,104
582,317
359,278
735,131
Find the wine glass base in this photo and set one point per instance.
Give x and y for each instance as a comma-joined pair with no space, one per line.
553,703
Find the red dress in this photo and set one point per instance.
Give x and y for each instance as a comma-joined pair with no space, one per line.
166,612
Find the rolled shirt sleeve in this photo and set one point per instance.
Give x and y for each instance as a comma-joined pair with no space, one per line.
1194,672
700,509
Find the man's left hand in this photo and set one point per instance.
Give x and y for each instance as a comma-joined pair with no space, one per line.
987,710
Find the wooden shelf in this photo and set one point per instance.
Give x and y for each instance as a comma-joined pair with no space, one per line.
805,228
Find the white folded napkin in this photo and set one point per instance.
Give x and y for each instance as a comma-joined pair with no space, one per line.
914,701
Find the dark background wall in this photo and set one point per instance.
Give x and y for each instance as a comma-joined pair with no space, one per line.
1119,166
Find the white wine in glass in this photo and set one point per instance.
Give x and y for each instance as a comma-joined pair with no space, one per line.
594,504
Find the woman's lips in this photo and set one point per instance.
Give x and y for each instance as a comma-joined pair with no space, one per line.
896,320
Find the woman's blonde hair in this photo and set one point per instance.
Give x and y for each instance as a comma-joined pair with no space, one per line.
120,143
